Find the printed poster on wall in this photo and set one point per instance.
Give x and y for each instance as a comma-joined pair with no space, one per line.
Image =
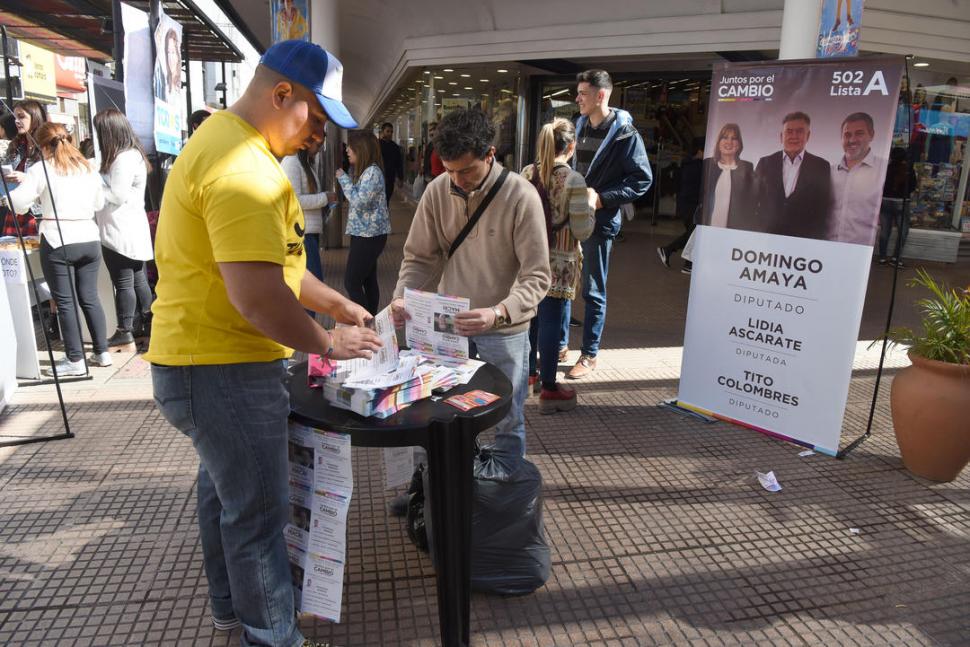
139,98
795,161
290,19
839,25
167,80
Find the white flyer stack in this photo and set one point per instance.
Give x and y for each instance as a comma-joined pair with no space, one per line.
321,485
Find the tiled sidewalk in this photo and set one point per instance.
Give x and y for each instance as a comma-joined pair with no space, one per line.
659,532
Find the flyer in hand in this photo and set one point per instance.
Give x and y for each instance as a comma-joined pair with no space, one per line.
431,327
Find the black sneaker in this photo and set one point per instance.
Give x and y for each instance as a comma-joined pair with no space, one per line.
688,266
121,338
664,256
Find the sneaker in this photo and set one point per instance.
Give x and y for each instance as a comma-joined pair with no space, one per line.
574,322
534,384
688,266
562,398
66,368
898,263
664,256
313,643
398,507
226,624
882,260
121,338
100,359
563,354
582,368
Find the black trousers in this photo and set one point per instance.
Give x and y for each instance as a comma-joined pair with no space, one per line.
84,259
131,287
360,277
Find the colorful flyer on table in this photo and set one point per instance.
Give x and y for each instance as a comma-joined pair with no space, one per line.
471,400
431,328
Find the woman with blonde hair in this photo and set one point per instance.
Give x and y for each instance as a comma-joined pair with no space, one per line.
69,239
569,220
368,222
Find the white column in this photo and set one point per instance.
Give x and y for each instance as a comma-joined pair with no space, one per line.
799,29
324,25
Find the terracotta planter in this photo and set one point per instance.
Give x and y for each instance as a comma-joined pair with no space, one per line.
931,417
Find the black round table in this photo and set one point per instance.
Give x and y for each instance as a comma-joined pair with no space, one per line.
448,435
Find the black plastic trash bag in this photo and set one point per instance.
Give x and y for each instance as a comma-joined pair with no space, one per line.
509,554
509,550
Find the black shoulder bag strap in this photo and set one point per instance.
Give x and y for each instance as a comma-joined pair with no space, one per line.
463,234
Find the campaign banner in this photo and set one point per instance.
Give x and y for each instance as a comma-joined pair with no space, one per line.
795,162
168,85
138,99
839,26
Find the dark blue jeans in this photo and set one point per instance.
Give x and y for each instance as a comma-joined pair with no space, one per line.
891,213
596,264
311,243
236,417
548,333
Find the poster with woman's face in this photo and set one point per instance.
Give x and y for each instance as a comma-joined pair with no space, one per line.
168,85
290,20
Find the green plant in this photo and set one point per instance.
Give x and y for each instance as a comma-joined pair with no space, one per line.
946,323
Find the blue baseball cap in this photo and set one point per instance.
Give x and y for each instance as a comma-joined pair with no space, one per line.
314,68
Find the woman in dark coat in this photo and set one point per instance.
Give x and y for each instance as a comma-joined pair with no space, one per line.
729,184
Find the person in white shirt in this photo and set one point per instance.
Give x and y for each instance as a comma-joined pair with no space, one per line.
857,182
68,240
126,241
313,201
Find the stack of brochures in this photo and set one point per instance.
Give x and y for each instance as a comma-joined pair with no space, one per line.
391,380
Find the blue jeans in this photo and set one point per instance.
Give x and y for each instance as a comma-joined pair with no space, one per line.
535,346
550,320
510,353
890,213
596,264
236,416
311,244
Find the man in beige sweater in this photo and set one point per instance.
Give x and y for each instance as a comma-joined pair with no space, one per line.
502,266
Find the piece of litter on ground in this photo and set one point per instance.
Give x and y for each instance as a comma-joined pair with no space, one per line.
900,606
807,452
768,481
855,531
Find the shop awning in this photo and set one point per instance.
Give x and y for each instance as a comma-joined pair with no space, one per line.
83,27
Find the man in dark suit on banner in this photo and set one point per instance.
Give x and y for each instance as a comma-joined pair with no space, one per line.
794,186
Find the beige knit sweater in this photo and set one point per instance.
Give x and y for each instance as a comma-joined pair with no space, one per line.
504,260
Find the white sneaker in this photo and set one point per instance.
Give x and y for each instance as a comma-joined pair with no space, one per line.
100,359
66,368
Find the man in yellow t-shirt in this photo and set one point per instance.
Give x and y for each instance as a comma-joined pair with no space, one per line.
232,290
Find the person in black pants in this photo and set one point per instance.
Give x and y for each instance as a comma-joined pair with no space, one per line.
85,260
393,160
688,197
368,222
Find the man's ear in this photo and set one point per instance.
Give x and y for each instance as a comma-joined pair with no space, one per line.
282,92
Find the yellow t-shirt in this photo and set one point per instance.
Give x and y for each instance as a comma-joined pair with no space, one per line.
226,199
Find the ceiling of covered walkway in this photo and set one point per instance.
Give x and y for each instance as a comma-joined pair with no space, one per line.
379,41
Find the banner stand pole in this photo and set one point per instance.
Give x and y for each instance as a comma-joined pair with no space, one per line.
892,297
47,340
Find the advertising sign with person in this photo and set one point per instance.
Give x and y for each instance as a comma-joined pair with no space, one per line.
840,22
290,20
168,85
793,174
